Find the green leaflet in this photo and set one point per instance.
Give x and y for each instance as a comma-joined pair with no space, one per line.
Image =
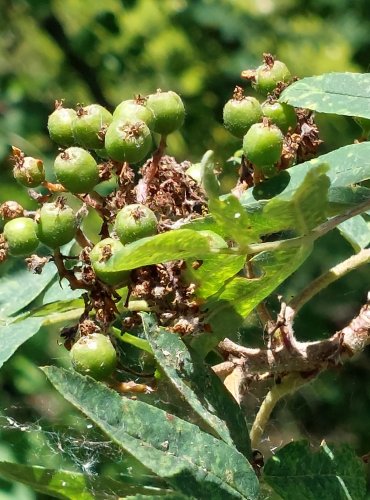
173,245
15,331
191,461
347,166
199,386
226,310
15,334
297,472
19,287
356,231
67,485
305,209
339,93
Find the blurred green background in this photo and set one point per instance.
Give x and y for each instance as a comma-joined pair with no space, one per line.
109,51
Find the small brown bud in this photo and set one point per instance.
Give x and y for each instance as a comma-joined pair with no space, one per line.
11,210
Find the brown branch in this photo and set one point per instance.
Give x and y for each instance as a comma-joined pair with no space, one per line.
74,283
306,356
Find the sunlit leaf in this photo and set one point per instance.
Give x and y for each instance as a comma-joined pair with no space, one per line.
340,93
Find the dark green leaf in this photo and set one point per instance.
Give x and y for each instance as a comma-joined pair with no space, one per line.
298,472
339,93
191,461
67,484
15,334
199,386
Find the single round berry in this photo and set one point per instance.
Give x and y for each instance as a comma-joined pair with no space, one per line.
21,236
76,170
263,144
94,355
240,113
128,140
60,125
364,123
168,111
134,222
100,256
56,224
29,171
270,74
90,125
280,114
134,109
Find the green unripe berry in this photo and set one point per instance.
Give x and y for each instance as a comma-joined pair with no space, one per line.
134,222
90,124
29,171
56,225
270,74
240,113
168,111
21,236
263,144
100,256
60,125
280,114
128,140
134,109
94,355
76,170
364,123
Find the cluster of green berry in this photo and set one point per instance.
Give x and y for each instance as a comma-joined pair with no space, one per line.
262,126
94,141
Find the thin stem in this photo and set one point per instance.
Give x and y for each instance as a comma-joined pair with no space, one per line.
333,274
82,240
288,385
151,171
63,272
